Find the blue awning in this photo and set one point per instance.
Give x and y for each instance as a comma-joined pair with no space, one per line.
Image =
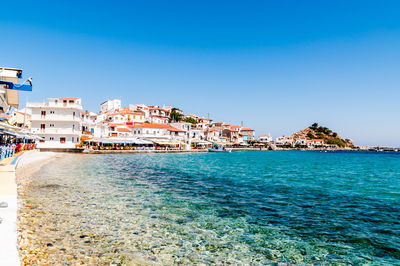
9,133
13,86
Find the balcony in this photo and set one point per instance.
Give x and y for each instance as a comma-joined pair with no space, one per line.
50,117
54,105
59,131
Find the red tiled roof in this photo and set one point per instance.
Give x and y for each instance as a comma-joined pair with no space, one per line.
163,117
128,112
69,98
158,108
247,129
123,129
156,125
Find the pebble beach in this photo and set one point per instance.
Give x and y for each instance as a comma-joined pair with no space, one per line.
28,165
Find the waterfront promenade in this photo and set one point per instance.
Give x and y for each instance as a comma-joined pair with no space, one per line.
9,201
8,211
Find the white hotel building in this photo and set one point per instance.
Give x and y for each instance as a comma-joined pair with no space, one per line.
58,122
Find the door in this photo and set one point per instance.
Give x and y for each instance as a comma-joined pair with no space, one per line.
43,113
42,127
62,140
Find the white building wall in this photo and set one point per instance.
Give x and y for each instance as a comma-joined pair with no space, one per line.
151,133
110,105
62,123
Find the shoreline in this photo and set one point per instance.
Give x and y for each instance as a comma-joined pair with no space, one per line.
205,150
27,166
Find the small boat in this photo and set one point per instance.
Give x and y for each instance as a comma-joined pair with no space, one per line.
219,148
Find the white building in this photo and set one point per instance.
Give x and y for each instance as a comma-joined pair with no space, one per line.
88,122
301,140
58,122
265,138
110,105
285,140
21,118
158,131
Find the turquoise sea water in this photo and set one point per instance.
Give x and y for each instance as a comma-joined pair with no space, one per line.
250,207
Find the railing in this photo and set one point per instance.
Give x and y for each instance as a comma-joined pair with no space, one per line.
53,104
56,118
56,131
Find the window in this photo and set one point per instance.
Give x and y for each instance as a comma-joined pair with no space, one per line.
62,140
72,139
51,138
42,126
51,125
51,112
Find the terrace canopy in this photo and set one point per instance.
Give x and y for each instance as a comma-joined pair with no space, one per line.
121,141
201,142
166,142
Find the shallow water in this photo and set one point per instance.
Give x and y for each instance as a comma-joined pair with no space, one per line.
251,207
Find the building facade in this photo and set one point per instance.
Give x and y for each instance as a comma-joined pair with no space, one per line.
57,122
110,106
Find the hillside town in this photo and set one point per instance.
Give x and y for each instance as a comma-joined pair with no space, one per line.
64,124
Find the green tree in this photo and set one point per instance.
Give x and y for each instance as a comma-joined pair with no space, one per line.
336,141
175,115
190,120
314,126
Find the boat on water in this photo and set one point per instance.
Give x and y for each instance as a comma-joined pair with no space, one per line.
219,148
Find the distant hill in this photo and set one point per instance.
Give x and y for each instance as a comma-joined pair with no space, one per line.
319,132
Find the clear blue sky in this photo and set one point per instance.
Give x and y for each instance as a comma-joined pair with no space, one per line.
276,65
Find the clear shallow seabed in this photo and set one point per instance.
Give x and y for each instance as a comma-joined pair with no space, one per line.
251,207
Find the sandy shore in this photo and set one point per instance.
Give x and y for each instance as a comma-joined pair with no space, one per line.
26,162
